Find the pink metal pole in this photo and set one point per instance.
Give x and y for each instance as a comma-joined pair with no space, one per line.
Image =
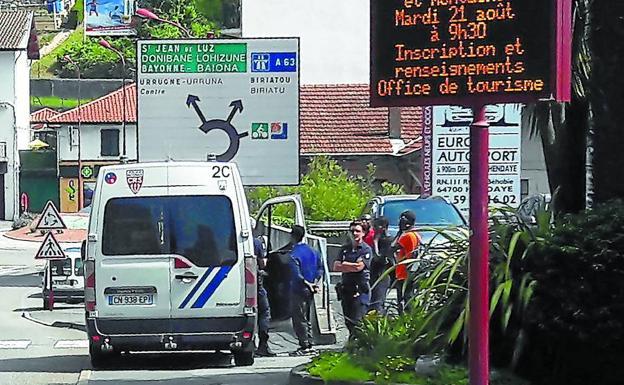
478,335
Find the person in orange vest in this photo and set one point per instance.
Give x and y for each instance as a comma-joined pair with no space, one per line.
407,243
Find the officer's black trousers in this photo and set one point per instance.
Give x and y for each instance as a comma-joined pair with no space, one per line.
353,310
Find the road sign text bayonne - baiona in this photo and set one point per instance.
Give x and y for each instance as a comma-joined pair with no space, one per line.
194,58
443,50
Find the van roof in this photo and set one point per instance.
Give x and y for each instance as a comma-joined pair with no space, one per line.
165,164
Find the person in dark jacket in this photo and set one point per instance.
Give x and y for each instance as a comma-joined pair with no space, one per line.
264,309
382,260
307,270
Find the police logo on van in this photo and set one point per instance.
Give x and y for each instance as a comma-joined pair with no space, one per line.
135,180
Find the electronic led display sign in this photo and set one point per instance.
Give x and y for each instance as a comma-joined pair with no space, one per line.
426,52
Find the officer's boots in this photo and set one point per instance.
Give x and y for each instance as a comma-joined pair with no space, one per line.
263,346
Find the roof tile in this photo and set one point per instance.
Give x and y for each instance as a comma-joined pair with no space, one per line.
334,119
14,25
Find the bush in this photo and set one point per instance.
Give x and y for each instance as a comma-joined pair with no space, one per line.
577,313
329,193
94,60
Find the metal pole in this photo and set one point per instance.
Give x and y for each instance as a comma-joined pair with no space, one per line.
80,192
478,348
123,87
51,293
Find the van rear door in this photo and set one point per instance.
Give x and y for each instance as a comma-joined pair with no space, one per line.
207,278
131,267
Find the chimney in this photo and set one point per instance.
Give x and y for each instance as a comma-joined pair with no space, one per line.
394,122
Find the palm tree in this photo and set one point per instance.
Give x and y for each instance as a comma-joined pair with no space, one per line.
564,127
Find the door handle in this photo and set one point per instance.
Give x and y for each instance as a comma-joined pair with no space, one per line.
186,276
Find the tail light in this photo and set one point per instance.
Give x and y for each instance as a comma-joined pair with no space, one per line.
89,272
251,285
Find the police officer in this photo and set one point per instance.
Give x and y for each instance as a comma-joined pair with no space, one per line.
264,310
353,262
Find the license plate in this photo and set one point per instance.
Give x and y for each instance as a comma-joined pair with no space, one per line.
141,299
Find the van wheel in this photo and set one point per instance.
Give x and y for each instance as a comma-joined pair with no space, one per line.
243,358
98,359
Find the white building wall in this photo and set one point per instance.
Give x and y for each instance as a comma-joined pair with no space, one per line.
90,143
11,115
534,164
334,35
22,99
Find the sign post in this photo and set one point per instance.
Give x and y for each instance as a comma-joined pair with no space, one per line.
441,52
50,249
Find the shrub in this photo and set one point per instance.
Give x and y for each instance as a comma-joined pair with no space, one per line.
577,313
329,193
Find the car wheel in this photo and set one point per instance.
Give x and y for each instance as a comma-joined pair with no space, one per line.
243,358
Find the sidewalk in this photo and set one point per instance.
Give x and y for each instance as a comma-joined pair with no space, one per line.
76,231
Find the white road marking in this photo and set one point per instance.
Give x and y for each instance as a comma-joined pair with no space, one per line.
10,270
14,344
71,344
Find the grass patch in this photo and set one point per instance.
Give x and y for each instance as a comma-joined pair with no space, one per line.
45,38
55,102
331,366
43,68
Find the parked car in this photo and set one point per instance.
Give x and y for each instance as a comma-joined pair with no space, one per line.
67,278
432,212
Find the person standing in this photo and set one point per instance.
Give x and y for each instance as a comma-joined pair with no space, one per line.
382,254
406,246
353,262
307,270
369,232
264,309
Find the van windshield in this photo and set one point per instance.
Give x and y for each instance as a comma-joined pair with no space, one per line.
200,228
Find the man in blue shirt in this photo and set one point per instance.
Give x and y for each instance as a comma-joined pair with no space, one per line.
307,270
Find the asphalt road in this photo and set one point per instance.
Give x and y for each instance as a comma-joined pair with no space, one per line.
32,353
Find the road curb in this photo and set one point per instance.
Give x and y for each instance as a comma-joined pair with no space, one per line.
55,324
84,377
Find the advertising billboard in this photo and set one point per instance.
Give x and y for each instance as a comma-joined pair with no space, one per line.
109,17
449,160
237,100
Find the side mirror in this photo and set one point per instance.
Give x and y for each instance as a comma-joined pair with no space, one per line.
83,250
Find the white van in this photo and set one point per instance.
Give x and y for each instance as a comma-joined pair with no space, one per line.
169,261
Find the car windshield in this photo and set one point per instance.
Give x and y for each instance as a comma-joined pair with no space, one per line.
428,212
200,228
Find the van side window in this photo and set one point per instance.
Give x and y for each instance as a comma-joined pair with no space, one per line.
200,228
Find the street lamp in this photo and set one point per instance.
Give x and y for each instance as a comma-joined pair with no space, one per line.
149,15
108,46
80,192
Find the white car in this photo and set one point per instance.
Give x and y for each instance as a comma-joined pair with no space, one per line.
67,279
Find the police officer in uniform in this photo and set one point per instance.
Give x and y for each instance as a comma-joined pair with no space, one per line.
353,262
264,310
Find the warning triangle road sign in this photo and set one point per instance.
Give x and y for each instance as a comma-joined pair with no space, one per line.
50,249
50,218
